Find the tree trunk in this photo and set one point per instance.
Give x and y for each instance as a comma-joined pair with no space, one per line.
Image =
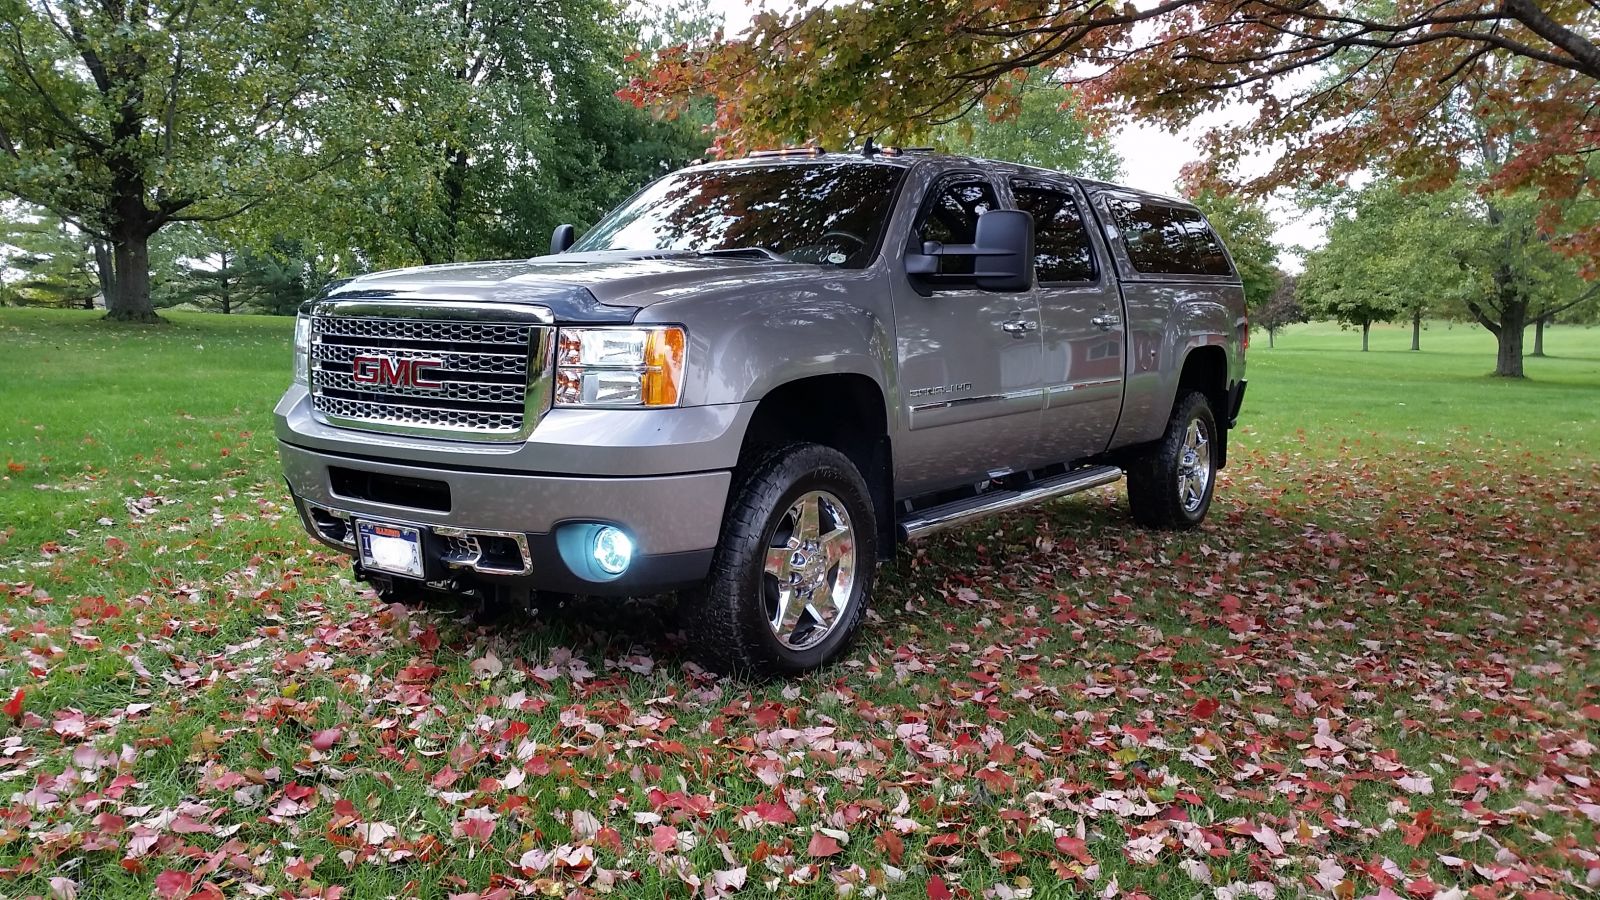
225,278
1416,330
1366,329
1508,362
1272,335
103,272
1538,336
129,300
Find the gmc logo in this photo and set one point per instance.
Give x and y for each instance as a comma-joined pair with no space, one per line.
388,370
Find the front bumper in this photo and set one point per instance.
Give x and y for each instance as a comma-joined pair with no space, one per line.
520,523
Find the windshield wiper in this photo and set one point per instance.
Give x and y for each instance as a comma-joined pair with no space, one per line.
757,252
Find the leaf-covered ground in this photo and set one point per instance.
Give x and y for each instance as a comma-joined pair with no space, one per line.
1374,672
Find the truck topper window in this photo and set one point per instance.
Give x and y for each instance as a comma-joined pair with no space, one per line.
1167,240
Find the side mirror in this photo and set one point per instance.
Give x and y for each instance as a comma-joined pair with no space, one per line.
1006,237
1001,251
562,238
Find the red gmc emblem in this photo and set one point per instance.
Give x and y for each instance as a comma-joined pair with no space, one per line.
396,372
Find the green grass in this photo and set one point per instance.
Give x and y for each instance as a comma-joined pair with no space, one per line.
1402,549
1318,383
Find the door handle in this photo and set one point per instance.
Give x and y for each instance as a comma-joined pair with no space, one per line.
1107,321
1018,328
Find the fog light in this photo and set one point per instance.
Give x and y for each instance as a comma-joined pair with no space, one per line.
613,549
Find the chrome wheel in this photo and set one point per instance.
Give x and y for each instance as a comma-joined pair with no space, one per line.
810,570
1194,466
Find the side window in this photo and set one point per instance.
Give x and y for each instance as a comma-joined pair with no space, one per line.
1213,260
952,218
1165,240
1061,250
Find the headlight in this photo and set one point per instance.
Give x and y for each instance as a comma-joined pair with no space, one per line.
619,367
302,349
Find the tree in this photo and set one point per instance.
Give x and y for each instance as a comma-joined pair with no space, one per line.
52,264
501,123
1247,232
1388,255
895,68
1523,279
1281,308
125,117
1043,124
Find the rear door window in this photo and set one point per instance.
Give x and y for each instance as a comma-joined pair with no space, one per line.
1168,240
1061,249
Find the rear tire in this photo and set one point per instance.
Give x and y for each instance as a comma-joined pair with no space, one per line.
1170,484
792,573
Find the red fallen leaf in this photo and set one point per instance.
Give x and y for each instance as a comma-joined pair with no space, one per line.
1077,848
891,844
174,885
476,824
184,824
13,707
298,868
1592,712
1203,709
822,846
324,740
116,545
664,838
937,889
997,781
14,467
774,813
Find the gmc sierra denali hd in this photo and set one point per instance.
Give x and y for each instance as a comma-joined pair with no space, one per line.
755,377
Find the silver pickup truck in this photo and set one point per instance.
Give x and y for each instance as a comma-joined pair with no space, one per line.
753,379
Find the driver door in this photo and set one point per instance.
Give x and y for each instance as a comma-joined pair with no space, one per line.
969,359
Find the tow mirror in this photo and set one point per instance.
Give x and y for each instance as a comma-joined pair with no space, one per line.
1001,251
562,238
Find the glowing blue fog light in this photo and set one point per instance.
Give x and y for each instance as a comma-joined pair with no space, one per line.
613,549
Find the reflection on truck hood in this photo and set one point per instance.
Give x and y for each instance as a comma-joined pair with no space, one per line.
576,286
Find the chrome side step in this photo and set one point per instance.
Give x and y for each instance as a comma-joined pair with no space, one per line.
950,515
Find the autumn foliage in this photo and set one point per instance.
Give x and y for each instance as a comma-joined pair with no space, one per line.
1329,89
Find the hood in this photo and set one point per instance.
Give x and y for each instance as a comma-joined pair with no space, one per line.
606,286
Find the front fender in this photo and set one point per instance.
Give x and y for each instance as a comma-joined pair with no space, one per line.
743,345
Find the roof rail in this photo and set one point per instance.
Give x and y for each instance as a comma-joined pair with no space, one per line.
870,149
787,151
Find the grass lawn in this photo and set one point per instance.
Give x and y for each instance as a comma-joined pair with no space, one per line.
1374,670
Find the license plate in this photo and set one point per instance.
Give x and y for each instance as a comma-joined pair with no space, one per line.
396,549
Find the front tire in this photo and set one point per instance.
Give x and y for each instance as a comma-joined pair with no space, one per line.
1171,483
792,574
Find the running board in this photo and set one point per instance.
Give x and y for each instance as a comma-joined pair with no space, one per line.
924,522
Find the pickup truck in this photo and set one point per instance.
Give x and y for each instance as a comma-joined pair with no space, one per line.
756,377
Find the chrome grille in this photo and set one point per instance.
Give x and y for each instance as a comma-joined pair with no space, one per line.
491,375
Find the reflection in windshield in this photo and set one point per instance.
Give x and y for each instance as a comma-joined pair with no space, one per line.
812,212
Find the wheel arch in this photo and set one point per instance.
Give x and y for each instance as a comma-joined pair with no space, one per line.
1205,369
847,411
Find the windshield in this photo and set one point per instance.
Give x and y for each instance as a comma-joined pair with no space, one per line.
826,213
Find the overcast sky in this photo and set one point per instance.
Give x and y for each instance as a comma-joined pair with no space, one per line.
1152,158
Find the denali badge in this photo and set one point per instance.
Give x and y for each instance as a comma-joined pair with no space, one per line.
396,372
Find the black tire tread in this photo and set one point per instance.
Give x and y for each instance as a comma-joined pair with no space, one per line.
716,620
1152,492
